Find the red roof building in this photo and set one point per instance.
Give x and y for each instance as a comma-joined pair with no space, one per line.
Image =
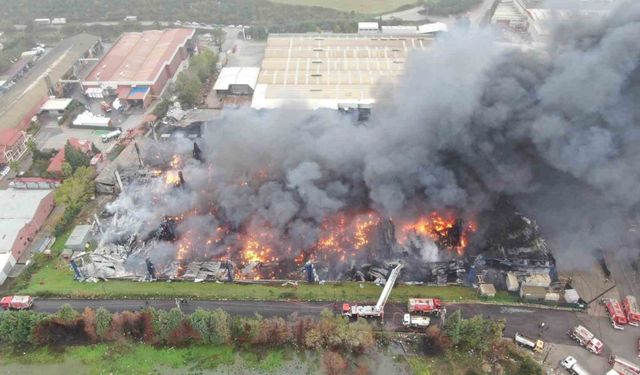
13,144
139,64
55,166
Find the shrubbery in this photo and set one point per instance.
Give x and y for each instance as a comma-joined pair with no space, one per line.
160,327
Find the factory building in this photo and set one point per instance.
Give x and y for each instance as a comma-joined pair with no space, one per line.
23,213
138,66
13,144
329,70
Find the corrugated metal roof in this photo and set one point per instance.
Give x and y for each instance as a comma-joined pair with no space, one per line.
237,76
18,208
323,71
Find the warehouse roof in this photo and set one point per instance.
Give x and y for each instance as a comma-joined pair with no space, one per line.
18,208
54,104
139,56
78,236
237,76
29,93
320,70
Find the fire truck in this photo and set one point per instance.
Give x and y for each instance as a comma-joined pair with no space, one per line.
616,314
424,305
625,365
586,339
630,306
377,310
16,302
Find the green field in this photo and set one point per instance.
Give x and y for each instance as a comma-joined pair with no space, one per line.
56,279
358,6
126,358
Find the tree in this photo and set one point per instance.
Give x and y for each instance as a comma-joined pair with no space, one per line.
165,322
75,157
214,326
103,322
219,36
161,108
17,327
529,367
67,170
334,363
76,191
189,89
203,64
67,313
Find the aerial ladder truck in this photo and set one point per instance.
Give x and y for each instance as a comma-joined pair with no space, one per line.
368,311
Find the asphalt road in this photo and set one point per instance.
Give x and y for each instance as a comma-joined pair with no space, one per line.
525,320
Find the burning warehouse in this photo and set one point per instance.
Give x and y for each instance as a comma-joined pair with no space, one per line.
420,182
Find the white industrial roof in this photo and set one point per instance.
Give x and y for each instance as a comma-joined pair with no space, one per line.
399,29
237,76
88,118
367,25
18,208
54,104
330,70
432,28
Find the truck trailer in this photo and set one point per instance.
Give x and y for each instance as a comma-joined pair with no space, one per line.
415,321
16,302
527,342
586,339
424,305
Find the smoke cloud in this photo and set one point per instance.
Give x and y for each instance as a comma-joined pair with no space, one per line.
554,129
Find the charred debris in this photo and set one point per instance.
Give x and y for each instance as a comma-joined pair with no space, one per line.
504,242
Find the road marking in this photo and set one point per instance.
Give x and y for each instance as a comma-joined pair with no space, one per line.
514,310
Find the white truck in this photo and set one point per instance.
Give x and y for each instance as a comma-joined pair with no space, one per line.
586,339
415,321
534,345
111,135
573,367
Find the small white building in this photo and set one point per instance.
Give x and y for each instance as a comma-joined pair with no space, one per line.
512,282
58,21
433,29
42,21
55,106
236,81
368,27
78,238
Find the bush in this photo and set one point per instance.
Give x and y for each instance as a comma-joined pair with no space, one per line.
17,328
67,313
214,327
103,323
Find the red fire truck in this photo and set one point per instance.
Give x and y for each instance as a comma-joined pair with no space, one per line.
424,305
630,306
616,314
16,302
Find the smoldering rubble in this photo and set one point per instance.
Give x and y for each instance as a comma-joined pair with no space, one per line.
553,131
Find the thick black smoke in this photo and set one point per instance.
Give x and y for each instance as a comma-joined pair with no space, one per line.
555,129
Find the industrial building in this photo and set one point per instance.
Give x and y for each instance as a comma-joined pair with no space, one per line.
537,17
139,65
13,144
23,213
236,81
330,71
24,100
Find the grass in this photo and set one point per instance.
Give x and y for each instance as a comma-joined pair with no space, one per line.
56,279
358,6
134,358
